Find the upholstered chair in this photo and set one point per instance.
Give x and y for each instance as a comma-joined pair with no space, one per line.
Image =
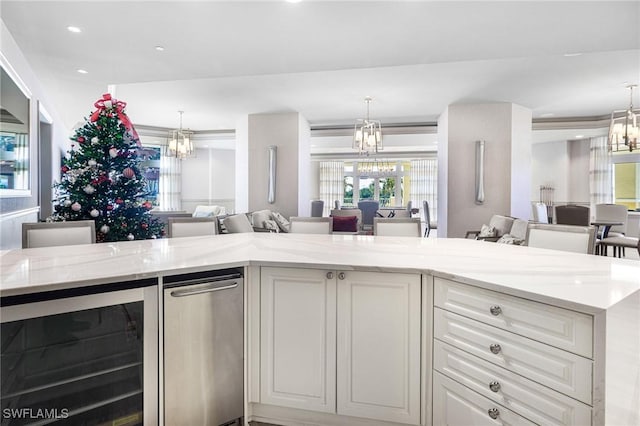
317,207
191,226
578,239
403,227
369,209
51,234
311,225
237,224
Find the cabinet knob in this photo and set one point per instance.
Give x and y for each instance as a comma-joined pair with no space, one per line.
495,310
341,275
329,275
494,386
495,348
494,413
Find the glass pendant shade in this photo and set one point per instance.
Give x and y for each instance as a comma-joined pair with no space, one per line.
624,131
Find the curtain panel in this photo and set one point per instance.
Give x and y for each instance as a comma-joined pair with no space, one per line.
331,184
424,185
170,191
600,173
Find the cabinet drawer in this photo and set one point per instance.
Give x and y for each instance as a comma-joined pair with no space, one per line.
560,370
558,327
456,405
529,399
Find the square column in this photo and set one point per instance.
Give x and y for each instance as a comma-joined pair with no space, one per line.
506,130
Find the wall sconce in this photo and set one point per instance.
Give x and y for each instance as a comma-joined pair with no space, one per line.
271,192
479,172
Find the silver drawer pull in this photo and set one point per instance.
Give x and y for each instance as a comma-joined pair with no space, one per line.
199,290
495,348
494,413
341,275
494,386
329,275
495,310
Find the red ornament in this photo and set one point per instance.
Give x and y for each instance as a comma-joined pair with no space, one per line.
144,225
64,169
147,205
119,201
124,225
109,207
128,173
80,139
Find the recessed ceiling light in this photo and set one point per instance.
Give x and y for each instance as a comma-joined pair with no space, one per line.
579,136
74,29
570,55
81,71
294,1
547,114
159,48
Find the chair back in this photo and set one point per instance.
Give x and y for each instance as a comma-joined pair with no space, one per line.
404,227
540,213
349,212
311,225
317,207
51,234
426,214
502,224
191,226
369,209
613,213
237,224
572,214
578,239
336,204
209,211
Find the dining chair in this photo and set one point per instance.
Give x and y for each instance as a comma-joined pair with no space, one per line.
51,234
237,224
573,238
369,209
402,227
311,225
613,213
540,214
572,214
191,226
317,207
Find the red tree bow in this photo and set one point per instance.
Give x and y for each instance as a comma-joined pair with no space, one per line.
107,103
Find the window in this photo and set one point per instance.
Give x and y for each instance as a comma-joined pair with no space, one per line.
626,184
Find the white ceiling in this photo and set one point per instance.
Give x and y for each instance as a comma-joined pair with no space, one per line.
225,59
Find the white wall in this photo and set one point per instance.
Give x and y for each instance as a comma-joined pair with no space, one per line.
286,132
563,165
209,179
9,206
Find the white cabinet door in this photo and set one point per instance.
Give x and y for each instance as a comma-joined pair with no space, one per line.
379,346
297,344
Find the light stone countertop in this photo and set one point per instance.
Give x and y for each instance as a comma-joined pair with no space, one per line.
583,282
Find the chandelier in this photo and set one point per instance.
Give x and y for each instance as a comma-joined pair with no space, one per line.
376,167
623,131
367,134
180,142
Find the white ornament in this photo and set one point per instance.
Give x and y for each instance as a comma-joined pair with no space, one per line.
130,237
66,203
113,153
94,213
104,229
92,163
94,140
153,237
89,189
76,207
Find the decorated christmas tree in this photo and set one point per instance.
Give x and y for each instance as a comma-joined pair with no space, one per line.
101,177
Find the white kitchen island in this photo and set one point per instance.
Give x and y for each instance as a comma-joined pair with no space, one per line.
345,329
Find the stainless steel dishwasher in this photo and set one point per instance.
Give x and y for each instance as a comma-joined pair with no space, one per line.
203,348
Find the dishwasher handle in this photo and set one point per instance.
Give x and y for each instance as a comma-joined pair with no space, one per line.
214,286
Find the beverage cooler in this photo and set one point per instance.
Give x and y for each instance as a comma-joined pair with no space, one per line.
84,356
